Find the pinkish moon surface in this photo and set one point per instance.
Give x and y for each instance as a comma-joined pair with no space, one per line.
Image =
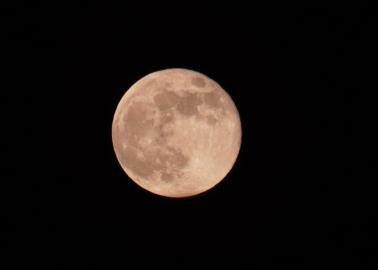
176,133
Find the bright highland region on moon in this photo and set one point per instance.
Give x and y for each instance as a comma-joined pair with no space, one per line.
176,133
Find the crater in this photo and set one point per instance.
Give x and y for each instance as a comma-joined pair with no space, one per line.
177,158
134,162
188,104
166,118
164,160
162,136
198,81
136,121
166,99
211,120
212,99
163,129
166,177
170,160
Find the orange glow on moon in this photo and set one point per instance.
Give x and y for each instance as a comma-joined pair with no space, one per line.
176,133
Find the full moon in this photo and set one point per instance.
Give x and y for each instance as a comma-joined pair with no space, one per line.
176,133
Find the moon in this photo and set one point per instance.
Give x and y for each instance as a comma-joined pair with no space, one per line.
176,133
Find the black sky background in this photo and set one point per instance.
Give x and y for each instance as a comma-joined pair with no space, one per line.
302,189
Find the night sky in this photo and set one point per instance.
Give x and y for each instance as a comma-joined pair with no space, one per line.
302,189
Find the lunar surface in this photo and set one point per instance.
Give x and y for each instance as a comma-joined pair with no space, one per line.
176,133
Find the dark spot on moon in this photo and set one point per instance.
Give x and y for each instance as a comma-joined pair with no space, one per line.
212,99
211,120
136,121
188,104
163,136
162,132
167,118
177,158
167,85
157,159
198,81
131,160
166,177
166,99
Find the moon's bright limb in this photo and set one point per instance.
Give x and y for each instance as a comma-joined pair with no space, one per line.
176,133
